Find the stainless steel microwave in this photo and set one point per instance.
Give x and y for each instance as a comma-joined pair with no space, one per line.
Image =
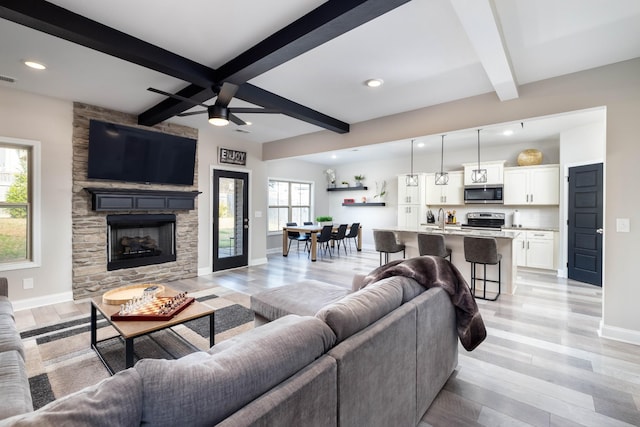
481,194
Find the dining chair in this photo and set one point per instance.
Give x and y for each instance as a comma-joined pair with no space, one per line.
295,235
353,234
324,237
339,236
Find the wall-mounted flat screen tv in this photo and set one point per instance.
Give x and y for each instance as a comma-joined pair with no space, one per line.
124,153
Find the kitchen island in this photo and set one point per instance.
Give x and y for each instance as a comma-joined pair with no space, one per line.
453,236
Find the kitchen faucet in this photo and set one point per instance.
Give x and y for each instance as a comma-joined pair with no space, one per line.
443,217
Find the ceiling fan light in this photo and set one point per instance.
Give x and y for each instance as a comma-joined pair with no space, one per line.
218,116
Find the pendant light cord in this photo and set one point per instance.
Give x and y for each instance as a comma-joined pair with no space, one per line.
478,149
442,155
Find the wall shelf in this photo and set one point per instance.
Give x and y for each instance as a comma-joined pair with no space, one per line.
347,188
365,204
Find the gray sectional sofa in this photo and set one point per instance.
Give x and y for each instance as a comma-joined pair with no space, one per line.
14,383
376,357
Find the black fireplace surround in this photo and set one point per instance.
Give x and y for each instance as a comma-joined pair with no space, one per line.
140,239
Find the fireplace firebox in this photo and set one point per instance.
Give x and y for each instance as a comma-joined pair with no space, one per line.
138,240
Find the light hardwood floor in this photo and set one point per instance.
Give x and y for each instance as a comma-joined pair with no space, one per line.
542,364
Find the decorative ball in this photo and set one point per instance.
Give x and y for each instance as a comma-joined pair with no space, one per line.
530,157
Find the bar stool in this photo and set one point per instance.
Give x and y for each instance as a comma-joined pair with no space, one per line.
433,244
483,250
385,242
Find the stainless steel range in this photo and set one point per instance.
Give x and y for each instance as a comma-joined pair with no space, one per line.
485,220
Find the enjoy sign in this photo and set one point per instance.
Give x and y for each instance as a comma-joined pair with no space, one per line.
232,157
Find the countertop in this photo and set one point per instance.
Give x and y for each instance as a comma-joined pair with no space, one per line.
457,231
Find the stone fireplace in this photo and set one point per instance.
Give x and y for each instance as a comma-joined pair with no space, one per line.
100,262
138,240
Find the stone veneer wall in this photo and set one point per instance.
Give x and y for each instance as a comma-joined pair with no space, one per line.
89,235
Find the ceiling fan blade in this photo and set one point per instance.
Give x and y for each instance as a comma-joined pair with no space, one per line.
241,110
237,120
191,113
226,94
175,96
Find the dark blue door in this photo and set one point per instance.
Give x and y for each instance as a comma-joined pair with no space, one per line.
585,224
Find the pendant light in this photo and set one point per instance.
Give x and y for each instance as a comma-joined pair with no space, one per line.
442,178
411,180
479,176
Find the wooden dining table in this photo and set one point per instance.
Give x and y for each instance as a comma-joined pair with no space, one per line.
313,230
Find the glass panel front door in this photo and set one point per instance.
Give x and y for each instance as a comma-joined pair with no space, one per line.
231,219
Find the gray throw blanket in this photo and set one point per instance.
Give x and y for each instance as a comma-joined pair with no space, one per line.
431,271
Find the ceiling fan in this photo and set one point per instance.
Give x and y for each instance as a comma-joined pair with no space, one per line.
219,113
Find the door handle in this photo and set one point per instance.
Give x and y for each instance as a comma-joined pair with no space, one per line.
599,231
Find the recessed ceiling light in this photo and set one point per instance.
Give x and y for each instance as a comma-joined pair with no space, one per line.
333,156
374,82
507,132
35,65
420,144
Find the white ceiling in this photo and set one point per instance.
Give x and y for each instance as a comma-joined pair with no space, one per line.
426,51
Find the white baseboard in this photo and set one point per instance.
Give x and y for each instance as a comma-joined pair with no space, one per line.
619,334
203,271
258,261
29,303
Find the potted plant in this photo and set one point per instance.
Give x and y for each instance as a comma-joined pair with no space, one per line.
324,220
345,183
359,179
331,177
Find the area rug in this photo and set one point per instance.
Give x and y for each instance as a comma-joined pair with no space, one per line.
60,360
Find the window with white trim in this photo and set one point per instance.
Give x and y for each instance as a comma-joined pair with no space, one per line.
17,178
289,201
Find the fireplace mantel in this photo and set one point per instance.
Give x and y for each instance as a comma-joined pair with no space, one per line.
119,199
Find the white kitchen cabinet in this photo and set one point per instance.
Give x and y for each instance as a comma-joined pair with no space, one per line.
532,185
410,215
536,249
494,169
413,195
411,206
450,194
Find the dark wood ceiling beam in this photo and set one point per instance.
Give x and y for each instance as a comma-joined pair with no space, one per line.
266,99
57,21
326,22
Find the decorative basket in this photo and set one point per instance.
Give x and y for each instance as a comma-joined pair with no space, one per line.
530,157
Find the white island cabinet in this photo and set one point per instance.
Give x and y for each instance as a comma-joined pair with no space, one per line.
532,185
454,239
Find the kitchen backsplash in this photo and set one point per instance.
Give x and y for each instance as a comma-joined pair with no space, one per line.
540,216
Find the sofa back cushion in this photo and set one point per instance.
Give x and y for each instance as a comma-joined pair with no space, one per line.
358,310
115,401
202,389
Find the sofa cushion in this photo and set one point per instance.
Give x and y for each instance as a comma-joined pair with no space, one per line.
16,395
358,310
115,401
203,389
9,336
5,307
304,298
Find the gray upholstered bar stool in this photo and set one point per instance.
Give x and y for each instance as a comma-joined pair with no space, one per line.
386,243
433,244
483,250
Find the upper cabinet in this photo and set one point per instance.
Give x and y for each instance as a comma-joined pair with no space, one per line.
532,185
450,194
410,195
494,169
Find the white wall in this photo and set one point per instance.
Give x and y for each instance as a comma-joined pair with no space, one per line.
48,120
580,146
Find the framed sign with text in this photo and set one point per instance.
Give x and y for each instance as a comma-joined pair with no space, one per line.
232,157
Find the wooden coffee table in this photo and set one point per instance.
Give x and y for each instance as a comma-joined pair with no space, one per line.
129,330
